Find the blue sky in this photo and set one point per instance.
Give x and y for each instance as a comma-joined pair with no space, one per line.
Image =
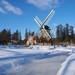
20,14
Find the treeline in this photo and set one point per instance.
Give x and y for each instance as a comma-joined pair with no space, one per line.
6,36
65,33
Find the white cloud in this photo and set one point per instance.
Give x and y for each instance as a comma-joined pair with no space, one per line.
55,24
11,8
2,10
74,28
45,4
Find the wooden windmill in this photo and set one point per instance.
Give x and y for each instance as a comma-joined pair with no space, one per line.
43,25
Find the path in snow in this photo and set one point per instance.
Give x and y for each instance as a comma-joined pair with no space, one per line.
41,66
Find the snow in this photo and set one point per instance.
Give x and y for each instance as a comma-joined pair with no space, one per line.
37,60
67,67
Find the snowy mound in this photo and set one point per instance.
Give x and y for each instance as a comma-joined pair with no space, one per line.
67,67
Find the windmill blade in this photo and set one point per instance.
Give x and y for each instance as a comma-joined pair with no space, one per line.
38,21
41,26
37,31
49,17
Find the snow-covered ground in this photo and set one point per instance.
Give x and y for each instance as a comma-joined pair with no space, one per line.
37,60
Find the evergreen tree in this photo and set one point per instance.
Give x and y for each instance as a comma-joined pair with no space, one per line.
20,37
59,32
26,35
4,37
32,33
15,36
63,34
67,38
8,36
71,32
29,33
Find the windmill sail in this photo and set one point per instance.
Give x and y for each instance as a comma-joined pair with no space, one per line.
49,16
41,24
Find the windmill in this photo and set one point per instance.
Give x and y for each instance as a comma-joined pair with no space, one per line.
42,24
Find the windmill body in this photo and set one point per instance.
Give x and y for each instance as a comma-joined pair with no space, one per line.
43,34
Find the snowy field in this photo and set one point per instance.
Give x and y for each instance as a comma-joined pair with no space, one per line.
37,60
